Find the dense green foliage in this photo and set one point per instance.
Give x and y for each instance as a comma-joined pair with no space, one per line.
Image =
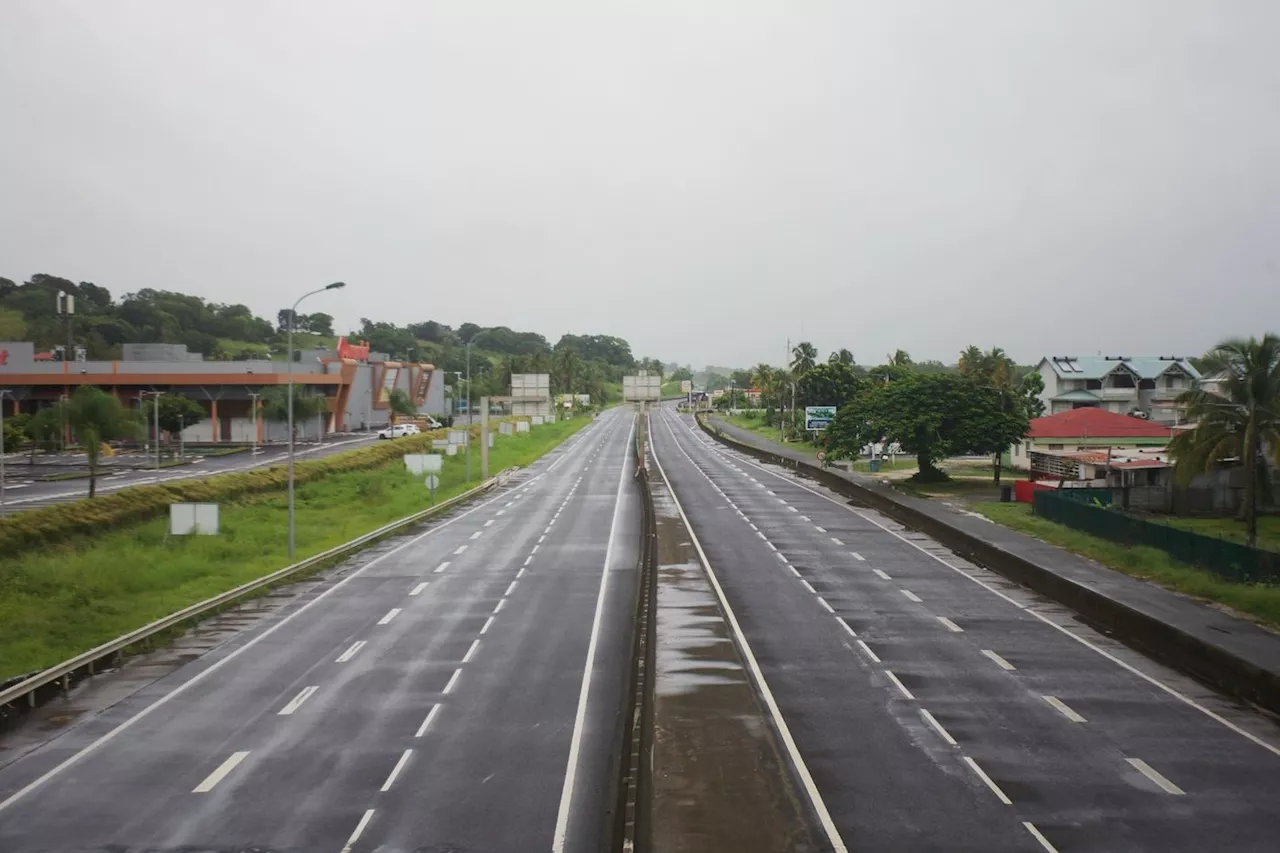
1243,422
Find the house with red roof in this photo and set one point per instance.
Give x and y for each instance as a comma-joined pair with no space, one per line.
1089,431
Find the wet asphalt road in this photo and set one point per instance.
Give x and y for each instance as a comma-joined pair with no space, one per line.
938,708
461,691
22,492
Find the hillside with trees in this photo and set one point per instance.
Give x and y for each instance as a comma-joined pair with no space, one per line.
578,363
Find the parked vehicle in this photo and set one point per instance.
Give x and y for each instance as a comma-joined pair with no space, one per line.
399,430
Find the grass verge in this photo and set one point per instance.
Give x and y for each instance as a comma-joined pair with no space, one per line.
1259,601
65,599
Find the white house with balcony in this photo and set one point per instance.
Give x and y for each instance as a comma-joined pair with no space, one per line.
1143,386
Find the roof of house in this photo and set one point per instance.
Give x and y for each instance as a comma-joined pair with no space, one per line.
1094,423
1098,366
1140,463
1078,397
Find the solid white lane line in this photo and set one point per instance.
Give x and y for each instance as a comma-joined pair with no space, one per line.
440,568
867,651
784,731
1150,772
417,590
484,629
820,529
857,556
475,644
1062,708
296,702
937,726
355,836
951,626
1000,662
460,549
837,541
809,587
510,588
391,614
911,596
476,535
489,522
1035,833
898,684
824,603
584,693
995,789
431,715
501,604
221,773
453,679
845,625
351,652
395,771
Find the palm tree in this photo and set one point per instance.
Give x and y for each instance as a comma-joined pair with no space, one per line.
567,364
762,377
803,357
840,356
900,358
97,417
1242,422
972,361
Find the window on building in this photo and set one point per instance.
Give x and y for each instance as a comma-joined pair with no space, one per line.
1122,380
1147,384
1055,447
1093,384
1171,381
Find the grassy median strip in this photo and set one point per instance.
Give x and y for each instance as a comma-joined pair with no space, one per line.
1257,600
63,599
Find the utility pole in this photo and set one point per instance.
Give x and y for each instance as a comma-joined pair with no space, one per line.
157,430
467,445
253,399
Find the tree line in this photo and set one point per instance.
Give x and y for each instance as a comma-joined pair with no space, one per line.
980,407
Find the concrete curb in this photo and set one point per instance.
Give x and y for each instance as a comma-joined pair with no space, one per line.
1194,655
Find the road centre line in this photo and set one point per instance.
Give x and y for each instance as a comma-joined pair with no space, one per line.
520,573
820,529
431,715
937,726
867,650
511,588
440,568
882,574
484,629
1000,662
460,549
1150,772
1062,708
355,836
488,523
535,549
501,604
809,587
995,789
824,603
542,538
296,702
218,775
1275,750
395,771
911,596
476,535
528,560
475,644
837,541
417,590
1035,833
753,666
795,572
391,614
951,626
350,652
857,556
898,684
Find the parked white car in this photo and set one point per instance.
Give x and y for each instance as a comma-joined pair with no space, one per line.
399,430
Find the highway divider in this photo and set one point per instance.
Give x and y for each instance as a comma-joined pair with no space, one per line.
57,679
1198,654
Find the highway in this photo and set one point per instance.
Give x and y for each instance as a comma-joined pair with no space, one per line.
462,690
23,492
928,706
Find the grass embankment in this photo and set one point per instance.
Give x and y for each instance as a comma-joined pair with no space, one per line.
65,599
1259,601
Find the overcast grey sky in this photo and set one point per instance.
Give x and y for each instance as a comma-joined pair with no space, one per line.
703,179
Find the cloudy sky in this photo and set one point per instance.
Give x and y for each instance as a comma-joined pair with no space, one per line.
704,179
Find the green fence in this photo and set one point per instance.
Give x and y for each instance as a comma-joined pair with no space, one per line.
1229,560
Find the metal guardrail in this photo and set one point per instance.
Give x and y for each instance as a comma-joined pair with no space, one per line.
63,672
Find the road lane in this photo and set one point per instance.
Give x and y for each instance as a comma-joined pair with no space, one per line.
856,662
418,702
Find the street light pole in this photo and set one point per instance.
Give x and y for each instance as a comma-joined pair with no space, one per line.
3,392
468,442
293,316
253,397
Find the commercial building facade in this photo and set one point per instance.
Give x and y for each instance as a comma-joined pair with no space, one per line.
354,382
